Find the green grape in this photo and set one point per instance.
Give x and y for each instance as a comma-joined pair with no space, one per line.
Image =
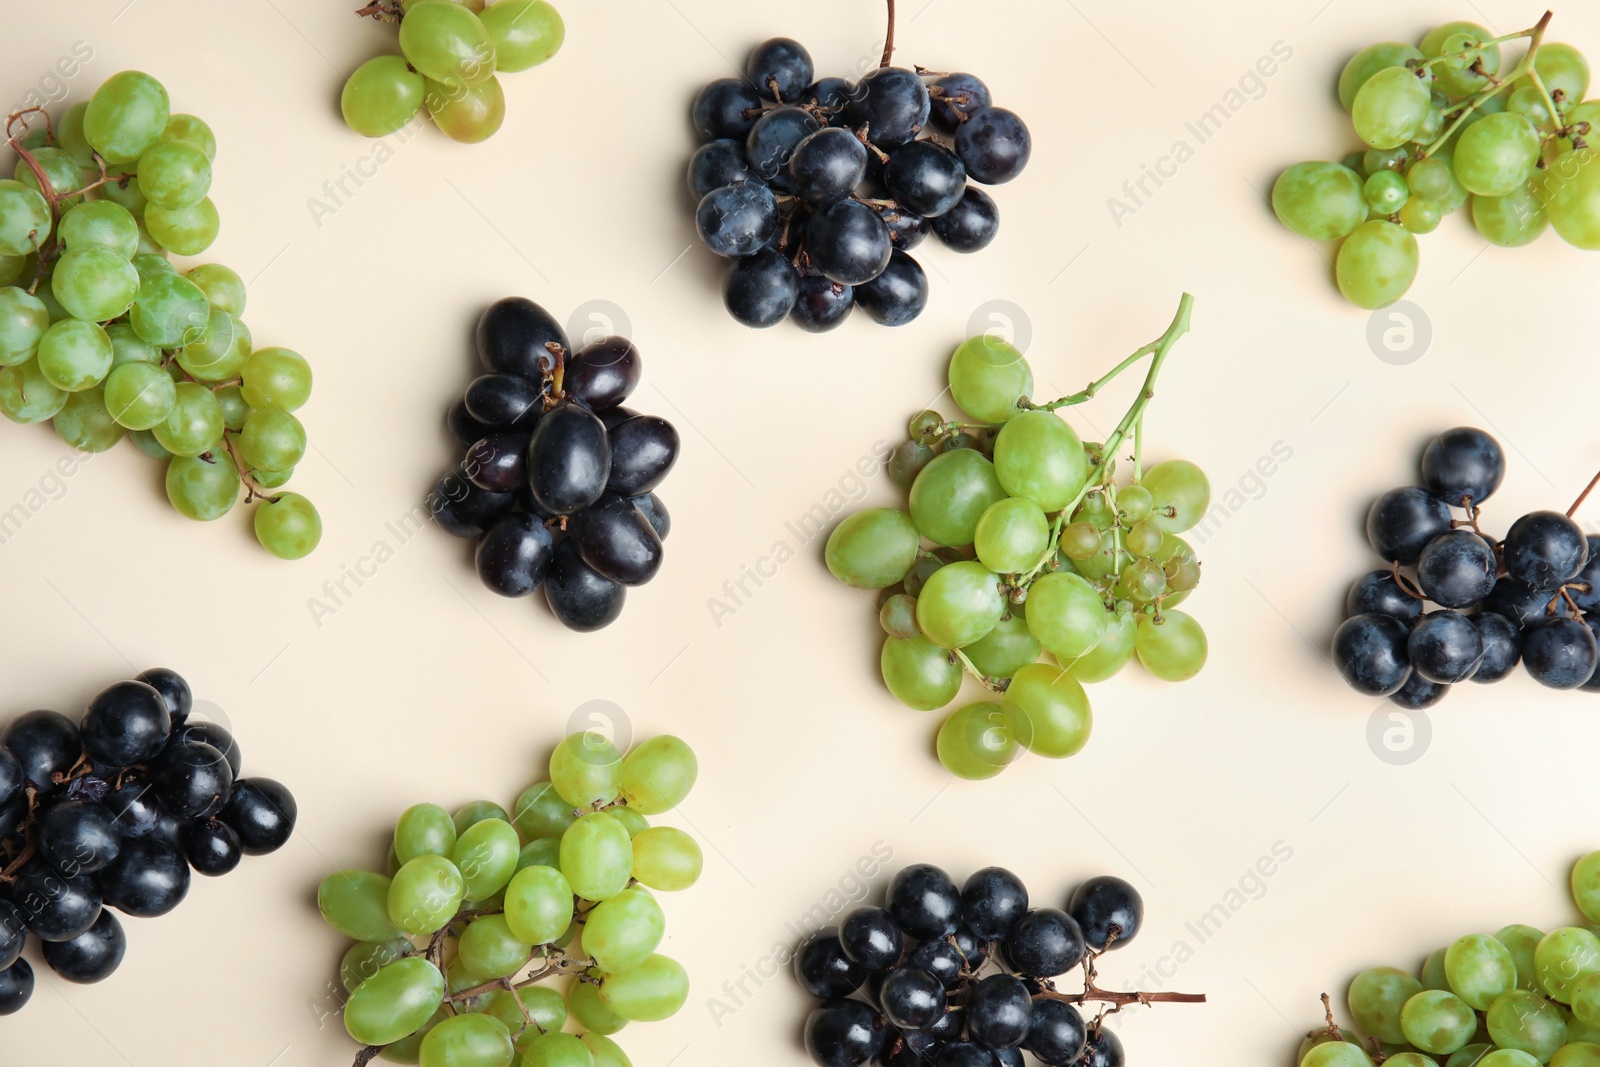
1376,160
1578,1029
468,114
1006,649
1135,504
395,1002
1038,456
1577,1054
475,812
150,266
447,43
365,958
174,174
1376,997
540,812
1390,107
224,289
1410,1059
486,856
596,856
1563,957
1528,102
1065,614
920,572
74,355
148,245
192,130
471,1040
1464,42
11,268
203,488
1571,195
977,741
216,356
1145,538
490,950
1521,941
658,774
1421,216
1367,62
1563,70
583,1001
188,231
607,1053
84,423
94,283
63,174
906,461
1507,1057
139,396
1047,712
123,189
631,820
23,321
272,440
1432,974
872,549
1497,156
959,604
1181,493
1336,1054
126,115
1585,883
554,1049
951,495
170,311
381,96
1584,114
1586,999
69,135
898,616
1522,1020
1512,220
425,894
277,378
423,830
648,993
234,409
1171,646
1437,1021
356,903
667,859
538,904
1114,652
623,932
919,673
1376,264
1080,540
1429,179
989,378
1011,535
545,1006
101,222
195,423
1144,580
926,427
1468,1056
586,770
145,441
24,218
525,33
1457,196
1386,192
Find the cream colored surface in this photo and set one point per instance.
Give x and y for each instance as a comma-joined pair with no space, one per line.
423,686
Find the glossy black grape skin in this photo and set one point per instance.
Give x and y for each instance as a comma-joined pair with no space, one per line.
149,878
169,828
737,219
924,901
911,1048
728,107
499,462
611,418
580,598
822,968
925,176
939,958
1545,549
1445,647
828,165
953,97
1523,606
16,986
1463,466
844,1033
77,836
721,162
514,555
848,243
513,338
772,142
1105,902
133,806
760,289
205,732
972,224
603,374
1418,693
55,907
173,689
897,295
643,451
462,509
992,900
1502,646
90,956
10,780
45,743
1457,569
780,69
262,812
906,230
1560,653
212,847
653,509
191,779
999,1010
617,541
1044,943
821,304
569,459
1403,521
832,96
1585,588
912,998
893,103
1377,593
965,1054
1056,1033
463,427
994,144
1370,652
13,933
870,937
504,401
1103,1049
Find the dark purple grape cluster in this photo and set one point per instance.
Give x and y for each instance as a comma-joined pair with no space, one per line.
942,976
112,811
1454,604
817,190
558,482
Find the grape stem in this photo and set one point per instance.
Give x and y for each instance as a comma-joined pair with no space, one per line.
994,685
1093,994
888,38
45,253
1535,37
1578,503
382,10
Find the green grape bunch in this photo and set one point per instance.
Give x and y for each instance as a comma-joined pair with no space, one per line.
492,930
104,337
451,52
1519,998
1450,124
1035,548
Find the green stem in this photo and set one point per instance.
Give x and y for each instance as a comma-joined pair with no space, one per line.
1504,39
972,669
1535,39
1549,102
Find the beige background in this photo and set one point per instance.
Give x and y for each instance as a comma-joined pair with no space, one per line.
422,685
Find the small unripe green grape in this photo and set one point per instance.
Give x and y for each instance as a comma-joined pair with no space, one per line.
1135,503
959,604
188,231
1144,579
596,856
1563,69
1429,178
23,322
1527,1021
545,1006
1437,1021
1421,216
1564,956
1367,62
540,812
486,856
872,549
470,1040
1497,155
658,774
1455,76
1066,614
1037,455
194,424
1144,538
289,526
381,96
621,933
395,1002
203,488
552,1050
1006,649
74,355
525,33
24,218
1377,160
1171,645
174,174
84,423
272,440
1528,101
919,673
1114,651
489,949
447,43
989,378
1376,998
123,189
538,904
588,1011
1386,192
101,222
63,174
1080,540
170,311
468,114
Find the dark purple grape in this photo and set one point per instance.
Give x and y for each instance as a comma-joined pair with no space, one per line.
926,177
994,144
906,230
55,907
499,462
90,956
737,219
1463,466
822,968
716,164
13,933
821,304
10,780
1103,1049
504,401
971,224
831,96
924,901
569,459
1560,653
127,723
191,780
773,140
912,998
1523,606
463,509
16,986
1370,652
1418,693
77,837
45,743
954,97
1105,905
1377,593
898,294
262,812
848,243
1403,521
1457,569
515,554
998,1011
169,828
780,69
1545,549
211,847
844,1033
581,599
133,807
760,289
870,937
603,374
1585,588
653,509
514,336
965,1054
149,878
204,732
643,451
1056,1033
1502,646
173,689
1045,942
828,165
610,418
462,426
939,958
1445,647
992,900
728,107
892,103
618,542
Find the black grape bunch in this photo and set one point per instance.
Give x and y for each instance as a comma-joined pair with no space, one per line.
1455,604
112,811
558,481
966,977
817,189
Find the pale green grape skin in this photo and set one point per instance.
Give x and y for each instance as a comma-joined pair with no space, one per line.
216,356
1376,264
589,1012
1577,1054
1182,487
525,33
1367,62
1480,969
195,423
23,321
1467,1055
24,217
623,932
959,604
63,173
648,993
84,423
547,1007
1006,649
1432,973
395,1002
658,774
630,819
606,1052
898,616
489,949
586,770
128,347
365,958
74,355
288,526
872,549
1564,956
381,96
1375,999
1429,178
1047,711
552,1050
1390,107
145,441
1497,156
1011,536
447,43
538,904
423,830
224,289
1438,1022
140,396
69,135
1321,201
1521,941
234,410
1585,883
543,852
1038,456
1421,216
425,894
1586,999
356,903
123,188
1522,1020
1571,194
919,673
170,311
597,856
151,266
94,283
1172,646
1562,67
188,128
486,856
126,115
1507,1057
277,378
188,231
988,377
272,440
1066,615
1460,81
469,1040
1114,651
976,741
11,268
1386,192
101,222
174,174
1411,1059
468,114
951,495
1336,1054
666,859
540,812
475,812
